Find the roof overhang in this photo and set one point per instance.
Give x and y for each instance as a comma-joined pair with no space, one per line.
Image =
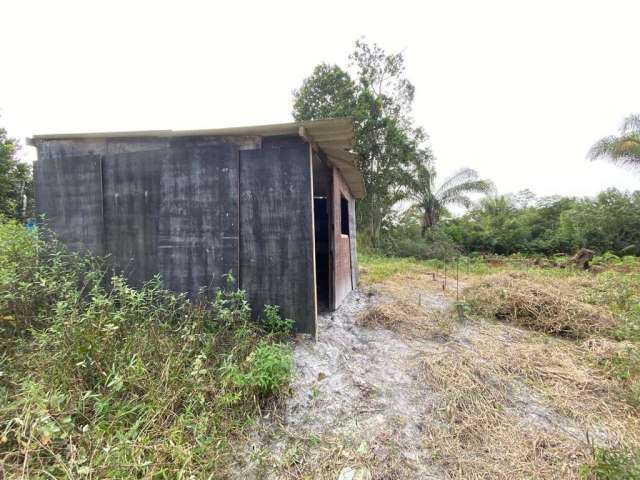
333,136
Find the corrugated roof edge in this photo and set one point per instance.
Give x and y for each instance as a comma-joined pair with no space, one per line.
333,135
266,130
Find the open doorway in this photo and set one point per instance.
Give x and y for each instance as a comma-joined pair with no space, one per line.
323,253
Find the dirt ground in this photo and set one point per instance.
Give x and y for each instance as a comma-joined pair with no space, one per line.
397,387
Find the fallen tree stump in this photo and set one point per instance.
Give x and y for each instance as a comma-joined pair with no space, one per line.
582,258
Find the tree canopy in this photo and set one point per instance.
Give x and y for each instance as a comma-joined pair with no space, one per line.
608,222
379,98
15,179
622,149
432,200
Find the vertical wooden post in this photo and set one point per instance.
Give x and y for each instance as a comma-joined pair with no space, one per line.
313,243
457,277
444,284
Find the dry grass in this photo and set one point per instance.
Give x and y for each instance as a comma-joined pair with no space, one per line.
500,401
551,306
510,402
604,349
533,402
408,319
476,431
515,404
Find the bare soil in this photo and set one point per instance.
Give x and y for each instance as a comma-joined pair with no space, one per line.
420,395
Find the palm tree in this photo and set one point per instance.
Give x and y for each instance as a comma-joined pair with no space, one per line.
623,149
433,200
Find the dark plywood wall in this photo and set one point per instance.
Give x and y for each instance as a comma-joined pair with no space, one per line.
198,231
69,194
191,209
131,189
276,241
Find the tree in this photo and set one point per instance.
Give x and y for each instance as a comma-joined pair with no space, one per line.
379,100
623,149
433,200
328,92
15,179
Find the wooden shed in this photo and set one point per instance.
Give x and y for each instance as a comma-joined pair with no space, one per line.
273,205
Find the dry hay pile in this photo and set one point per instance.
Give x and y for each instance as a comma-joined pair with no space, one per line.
515,405
476,431
407,319
391,315
548,306
562,373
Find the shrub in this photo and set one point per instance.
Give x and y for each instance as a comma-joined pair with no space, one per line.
109,381
613,464
274,323
434,245
266,371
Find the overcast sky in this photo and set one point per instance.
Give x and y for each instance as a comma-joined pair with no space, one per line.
518,90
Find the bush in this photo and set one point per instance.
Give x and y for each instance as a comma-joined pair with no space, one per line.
435,245
266,371
109,381
613,464
274,323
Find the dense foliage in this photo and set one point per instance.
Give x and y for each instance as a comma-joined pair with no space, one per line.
521,223
623,149
379,99
101,380
15,180
432,200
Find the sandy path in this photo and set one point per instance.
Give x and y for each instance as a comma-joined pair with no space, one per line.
355,389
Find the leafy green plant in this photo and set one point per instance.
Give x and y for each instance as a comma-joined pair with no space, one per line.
274,323
265,372
101,379
613,464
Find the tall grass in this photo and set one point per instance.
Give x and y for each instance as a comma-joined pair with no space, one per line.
101,380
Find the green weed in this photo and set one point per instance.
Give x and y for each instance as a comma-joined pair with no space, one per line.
99,379
274,323
613,464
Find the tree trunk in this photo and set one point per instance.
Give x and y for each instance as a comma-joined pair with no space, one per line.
424,226
429,220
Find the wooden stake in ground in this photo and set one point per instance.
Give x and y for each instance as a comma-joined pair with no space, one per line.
444,284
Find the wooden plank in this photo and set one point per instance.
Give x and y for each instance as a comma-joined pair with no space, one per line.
131,211
68,193
343,282
355,272
276,230
198,231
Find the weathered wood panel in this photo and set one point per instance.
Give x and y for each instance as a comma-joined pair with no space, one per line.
131,184
70,148
342,243
352,243
68,191
276,231
198,230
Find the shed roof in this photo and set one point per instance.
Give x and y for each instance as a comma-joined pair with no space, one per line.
333,136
